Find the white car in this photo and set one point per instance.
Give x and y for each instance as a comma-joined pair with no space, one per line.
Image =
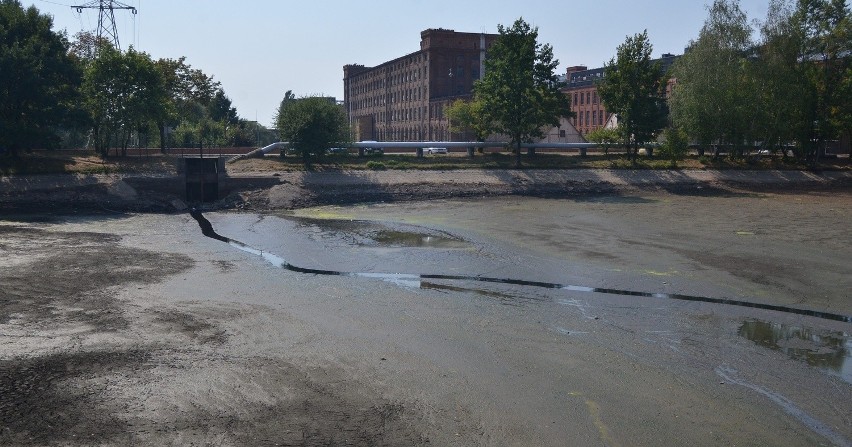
435,150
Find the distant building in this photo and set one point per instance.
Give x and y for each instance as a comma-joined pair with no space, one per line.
583,93
404,99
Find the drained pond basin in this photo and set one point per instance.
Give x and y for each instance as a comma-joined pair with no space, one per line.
656,319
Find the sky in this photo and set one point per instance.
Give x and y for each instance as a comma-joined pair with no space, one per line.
259,49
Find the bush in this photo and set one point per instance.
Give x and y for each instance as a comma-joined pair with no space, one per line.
376,165
675,145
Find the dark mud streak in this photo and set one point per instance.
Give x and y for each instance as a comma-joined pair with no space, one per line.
207,230
50,399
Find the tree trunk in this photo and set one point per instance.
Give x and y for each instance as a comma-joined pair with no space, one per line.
162,128
306,157
518,153
124,142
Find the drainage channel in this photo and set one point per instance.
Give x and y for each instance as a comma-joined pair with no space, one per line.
413,278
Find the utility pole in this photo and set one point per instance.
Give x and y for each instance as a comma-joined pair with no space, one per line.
106,17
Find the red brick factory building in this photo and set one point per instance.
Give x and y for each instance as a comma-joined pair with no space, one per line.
585,101
404,99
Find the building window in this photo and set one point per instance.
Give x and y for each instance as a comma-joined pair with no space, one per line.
575,99
594,117
594,97
588,97
561,133
582,96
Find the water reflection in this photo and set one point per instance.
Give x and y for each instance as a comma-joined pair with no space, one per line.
370,234
827,350
407,239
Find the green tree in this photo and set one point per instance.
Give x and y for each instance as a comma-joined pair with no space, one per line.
469,116
288,96
221,108
86,44
124,92
191,92
38,80
775,80
633,88
312,125
674,145
825,27
714,100
243,133
605,137
519,92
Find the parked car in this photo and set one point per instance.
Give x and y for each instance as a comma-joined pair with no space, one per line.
435,150
338,150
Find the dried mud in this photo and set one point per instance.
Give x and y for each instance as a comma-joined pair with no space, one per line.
81,366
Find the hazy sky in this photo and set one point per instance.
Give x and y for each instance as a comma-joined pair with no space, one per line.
259,49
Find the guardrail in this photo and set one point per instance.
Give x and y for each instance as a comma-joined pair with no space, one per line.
446,144
281,145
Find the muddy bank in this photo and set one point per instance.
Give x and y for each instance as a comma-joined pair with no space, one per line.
291,190
137,329
89,357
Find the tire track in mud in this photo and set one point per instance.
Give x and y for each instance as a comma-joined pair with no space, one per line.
403,278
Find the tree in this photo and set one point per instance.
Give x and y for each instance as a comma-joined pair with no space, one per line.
605,137
825,28
38,79
221,108
519,91
633,88
775,80
675,145
469,116
713,100
192,93
288,96
86,44
124,92
312,125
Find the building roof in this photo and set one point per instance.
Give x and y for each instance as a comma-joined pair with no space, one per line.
587,78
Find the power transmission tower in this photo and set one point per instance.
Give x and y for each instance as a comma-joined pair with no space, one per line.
106,17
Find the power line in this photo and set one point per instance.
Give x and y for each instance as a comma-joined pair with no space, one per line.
106,17
54,3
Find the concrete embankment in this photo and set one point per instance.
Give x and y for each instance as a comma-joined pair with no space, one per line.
273,190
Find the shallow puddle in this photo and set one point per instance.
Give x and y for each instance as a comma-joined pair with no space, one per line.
828,350
406,239
371,234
